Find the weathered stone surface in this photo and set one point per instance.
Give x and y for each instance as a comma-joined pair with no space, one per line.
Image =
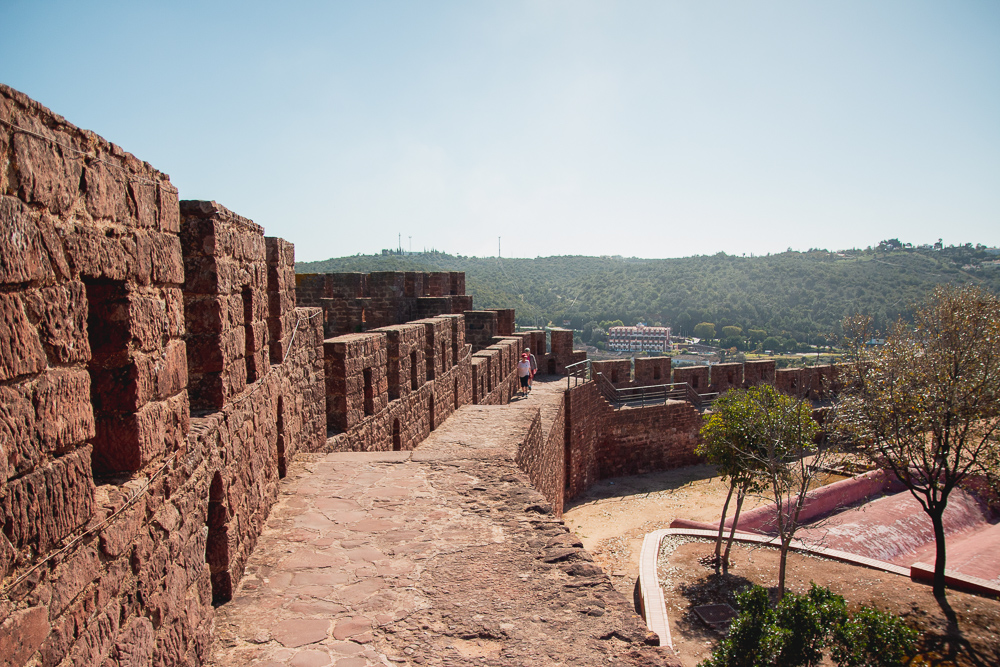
46,172
22,634
60,313
21,351
105,192
49,503
23,256
468,562
63,413
71,577
131,441
17,431
135,645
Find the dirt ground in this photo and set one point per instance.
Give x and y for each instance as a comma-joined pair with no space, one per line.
612,518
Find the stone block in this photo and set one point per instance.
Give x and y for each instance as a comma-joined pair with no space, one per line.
171,370
21,351
170,215
46,173
147,320
71,577
130,441
144,200
49,503
57,253
167,261
206,314
92,254
201,275
17,431
23,257
63,413
60,314
22,634
105,192
135,644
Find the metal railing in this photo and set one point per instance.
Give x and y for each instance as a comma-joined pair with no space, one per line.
620,397
577,373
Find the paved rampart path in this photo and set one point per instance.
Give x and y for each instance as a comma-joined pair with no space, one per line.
441,556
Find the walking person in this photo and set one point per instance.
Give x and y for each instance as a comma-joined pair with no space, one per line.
534,367
524,373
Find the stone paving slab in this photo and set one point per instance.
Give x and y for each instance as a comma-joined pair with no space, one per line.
425,558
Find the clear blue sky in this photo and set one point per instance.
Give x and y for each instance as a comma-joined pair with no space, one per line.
649,129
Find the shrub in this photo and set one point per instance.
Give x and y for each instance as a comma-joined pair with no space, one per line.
873,638
796,631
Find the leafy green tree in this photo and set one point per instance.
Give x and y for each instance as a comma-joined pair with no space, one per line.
924,405
704,330
774,344
732,331
757,335
731,441
786,433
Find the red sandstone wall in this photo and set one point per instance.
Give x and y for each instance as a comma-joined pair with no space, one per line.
94,378
543,459
696,376
480,328
419,374
602,442
651,371
357,302
617,371
225,302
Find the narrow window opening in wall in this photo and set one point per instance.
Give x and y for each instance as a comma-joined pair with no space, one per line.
273,315
694,382
656,373
429,353
456,393
444,357
413,370
282,469
113,389
614,375
369,392
217,545
251,349
431,412
397,440
729,376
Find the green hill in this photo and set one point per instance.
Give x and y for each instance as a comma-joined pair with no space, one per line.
798,295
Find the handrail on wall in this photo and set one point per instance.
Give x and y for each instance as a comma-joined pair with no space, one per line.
580,371
640,396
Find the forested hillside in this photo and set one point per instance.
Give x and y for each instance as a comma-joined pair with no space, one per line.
796,295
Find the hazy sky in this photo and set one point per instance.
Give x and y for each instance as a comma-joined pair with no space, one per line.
649,129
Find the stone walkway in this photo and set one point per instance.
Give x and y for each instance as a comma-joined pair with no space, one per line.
440,556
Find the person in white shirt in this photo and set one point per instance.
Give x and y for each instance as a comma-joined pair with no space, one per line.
524,373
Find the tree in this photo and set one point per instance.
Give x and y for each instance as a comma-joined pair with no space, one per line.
730,440
732,331
788,459
925,405
704,330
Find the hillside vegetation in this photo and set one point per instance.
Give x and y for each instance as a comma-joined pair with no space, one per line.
796,295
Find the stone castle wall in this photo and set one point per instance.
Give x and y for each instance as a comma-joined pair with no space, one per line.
161,364
125,514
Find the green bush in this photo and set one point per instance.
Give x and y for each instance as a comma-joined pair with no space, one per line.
873,638
796,631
